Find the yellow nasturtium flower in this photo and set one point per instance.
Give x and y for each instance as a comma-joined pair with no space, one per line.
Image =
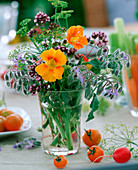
52,68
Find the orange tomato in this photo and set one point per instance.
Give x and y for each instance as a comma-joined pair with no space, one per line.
91,137
13,122
2,127
95,154
60,161
5,112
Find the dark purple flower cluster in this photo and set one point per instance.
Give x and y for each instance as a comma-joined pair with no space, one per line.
68,51
31,32
41,18
99,39
53,25
33,73
35,88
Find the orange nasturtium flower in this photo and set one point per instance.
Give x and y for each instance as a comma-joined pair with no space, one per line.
75,37
52,68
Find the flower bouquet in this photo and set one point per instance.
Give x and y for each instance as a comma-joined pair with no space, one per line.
52,67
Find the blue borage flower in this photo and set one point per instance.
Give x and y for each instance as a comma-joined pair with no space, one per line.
28,143
18,60
110,92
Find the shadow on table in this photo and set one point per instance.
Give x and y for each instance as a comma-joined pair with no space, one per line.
125,166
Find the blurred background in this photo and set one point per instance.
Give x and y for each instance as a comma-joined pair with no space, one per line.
88,13
94,15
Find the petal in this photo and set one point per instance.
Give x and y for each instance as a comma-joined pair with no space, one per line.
71,32
42,69
79,31
77,46
60,58
48,54
58,71
50,76
83,41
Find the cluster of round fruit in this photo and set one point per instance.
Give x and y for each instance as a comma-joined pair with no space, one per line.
95,153
10,121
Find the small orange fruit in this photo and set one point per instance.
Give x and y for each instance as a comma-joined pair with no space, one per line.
13,122
95,153
2,127
60,161
5,112
91,137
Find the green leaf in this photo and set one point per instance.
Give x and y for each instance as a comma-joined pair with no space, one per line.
88,93
25,22
66,97
94,103
131,149
90,116
95,63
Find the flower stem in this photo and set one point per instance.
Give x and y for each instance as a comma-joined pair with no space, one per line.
58,125
68,133
36,45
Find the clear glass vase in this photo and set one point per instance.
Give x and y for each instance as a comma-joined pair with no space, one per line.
130,80
61,116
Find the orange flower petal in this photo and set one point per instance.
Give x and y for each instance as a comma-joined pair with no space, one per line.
75,37
48,54
60,58
50,76
83,41
77,46
42,69
79,30
58,71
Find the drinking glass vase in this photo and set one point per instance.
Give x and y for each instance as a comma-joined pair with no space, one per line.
61,116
